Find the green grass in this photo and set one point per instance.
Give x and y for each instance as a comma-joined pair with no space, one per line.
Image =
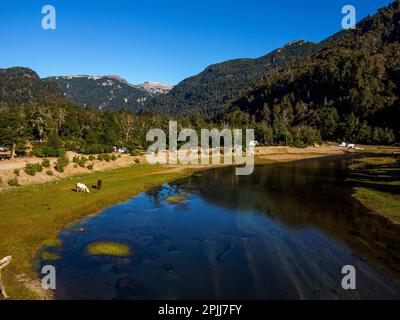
381,203
49,256
373,161
32,216
377,183
108,249
175,199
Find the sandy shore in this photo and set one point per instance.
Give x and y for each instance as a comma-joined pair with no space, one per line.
272,154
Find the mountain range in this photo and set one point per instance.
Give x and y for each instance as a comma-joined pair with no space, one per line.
108,92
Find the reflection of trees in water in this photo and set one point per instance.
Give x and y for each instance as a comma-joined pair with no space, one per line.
312,193
158,194
155,195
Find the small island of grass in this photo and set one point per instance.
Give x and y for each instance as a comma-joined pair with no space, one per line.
373,161
175,199
48,256
108,249
382,203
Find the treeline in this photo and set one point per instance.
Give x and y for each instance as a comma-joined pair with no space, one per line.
52,128
349,91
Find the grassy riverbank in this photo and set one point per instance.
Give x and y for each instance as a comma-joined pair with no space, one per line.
32,216
377,185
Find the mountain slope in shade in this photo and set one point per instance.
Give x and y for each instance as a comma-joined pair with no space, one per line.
102,92
219,84
350,89
20,86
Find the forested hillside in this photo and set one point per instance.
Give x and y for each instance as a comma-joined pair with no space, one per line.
108,93
206,93
350,90
19,86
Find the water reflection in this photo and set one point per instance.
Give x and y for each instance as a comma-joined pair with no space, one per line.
282,233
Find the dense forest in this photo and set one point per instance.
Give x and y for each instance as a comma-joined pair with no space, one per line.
349,90
218,85
106,93
49,129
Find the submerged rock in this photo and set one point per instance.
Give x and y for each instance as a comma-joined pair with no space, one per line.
168,267
129,286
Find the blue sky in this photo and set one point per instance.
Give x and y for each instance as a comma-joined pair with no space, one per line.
158,40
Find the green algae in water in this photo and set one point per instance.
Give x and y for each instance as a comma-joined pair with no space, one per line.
175,199
112,249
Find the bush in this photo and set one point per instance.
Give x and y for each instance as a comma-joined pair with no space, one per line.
137,161
16,172
96,148
91,158
90,166
46,163
79,161
61,164
13,182
135,153
104,157
49,173
33,168
113,157
45,151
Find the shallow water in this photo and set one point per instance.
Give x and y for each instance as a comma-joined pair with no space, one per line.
285,232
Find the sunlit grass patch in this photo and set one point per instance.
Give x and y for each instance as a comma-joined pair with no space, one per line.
373,161
53,243
108,249
49,256
377,183
382,203
175,199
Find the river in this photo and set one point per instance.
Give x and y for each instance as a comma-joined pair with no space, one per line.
284,232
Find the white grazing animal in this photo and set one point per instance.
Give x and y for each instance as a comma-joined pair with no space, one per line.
80,187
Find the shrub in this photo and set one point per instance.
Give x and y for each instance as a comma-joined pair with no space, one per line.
33,168
80,161
49,173
91,158
48,151
96,148
16,172
46,163
13,182
113,157
61,164
137,161
135,153
90,166
104,157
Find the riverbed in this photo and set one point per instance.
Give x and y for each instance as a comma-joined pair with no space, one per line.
284,232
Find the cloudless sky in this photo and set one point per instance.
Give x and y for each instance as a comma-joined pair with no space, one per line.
158,40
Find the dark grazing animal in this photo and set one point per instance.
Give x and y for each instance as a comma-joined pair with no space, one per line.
99,184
